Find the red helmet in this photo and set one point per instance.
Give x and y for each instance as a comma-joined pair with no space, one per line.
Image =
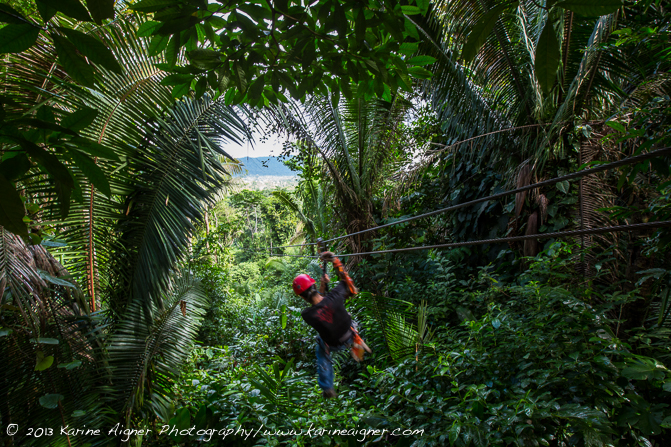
302,283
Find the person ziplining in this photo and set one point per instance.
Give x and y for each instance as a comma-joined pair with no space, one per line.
328,316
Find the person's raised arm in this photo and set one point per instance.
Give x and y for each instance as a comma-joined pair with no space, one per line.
340,271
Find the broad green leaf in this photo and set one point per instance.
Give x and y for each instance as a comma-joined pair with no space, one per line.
591,8
481,30
419,72
5,332
256,89
547,57
51,400
80,119
172,50
283,317
617,126
564,186
95,149
78,413
101,9
71,365
180,90
423,5
72,62
148,28
157,45
408,48
410,10
11,208
421,60
200,86
46,11
645,370
152,5
11,15
92,48
45,340
59,282
16,38
43,362
92,171
15,167
72,8
63,180
204,59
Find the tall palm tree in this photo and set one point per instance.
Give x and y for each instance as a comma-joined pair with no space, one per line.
514,82
163,163
353,139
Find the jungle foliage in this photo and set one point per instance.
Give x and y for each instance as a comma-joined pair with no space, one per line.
141,287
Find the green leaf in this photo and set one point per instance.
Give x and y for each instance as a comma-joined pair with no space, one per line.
481,30
80,119
256,89
644,370
667,387
92,171
94,49
617,126
564,186
172,50
419,72
204,59
73,63
59,282
409,48
5,332
46,11
410,10
17,38
547,57
72,365
148,28
283,317
72,8
11,208
43,362
51,400
591,8
421,60
11,15
56,169
15,167
78,413
180,90
157,45
95,149
101,9
152,5
46,341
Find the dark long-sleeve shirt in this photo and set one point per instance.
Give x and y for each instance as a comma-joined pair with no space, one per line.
329,317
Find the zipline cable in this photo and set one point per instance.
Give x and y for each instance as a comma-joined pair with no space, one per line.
613,229
582,173
572,176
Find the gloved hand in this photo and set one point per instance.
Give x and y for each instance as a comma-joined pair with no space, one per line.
327,256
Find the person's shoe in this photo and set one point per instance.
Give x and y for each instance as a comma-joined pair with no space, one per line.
329,393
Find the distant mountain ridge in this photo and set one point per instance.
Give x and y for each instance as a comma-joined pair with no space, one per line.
264,166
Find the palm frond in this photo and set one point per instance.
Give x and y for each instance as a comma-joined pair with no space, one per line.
144,358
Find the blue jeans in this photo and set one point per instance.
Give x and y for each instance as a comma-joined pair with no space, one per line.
324,362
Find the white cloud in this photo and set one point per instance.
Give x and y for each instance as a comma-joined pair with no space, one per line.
272,146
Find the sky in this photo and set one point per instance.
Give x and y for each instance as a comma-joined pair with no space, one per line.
271,147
